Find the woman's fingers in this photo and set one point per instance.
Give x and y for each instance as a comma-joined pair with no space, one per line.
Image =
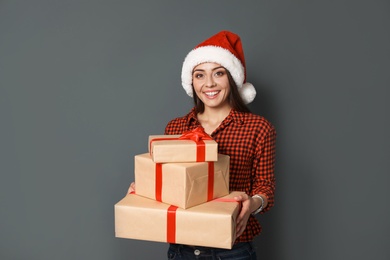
243,216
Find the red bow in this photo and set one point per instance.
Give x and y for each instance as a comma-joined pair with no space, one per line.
196,135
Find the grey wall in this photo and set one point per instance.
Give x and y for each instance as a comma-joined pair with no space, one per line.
83,84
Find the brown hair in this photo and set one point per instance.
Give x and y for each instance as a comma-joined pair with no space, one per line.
234,98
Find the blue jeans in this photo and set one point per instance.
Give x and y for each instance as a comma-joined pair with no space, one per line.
240,251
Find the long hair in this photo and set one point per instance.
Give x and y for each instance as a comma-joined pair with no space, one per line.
234,98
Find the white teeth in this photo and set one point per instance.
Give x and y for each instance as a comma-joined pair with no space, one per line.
210,94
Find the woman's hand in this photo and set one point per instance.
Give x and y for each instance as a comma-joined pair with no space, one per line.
131,188
248,206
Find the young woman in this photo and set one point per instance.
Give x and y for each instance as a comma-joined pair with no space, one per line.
213,73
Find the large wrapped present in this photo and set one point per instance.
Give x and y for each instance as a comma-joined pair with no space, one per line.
211,224
192,146
181,184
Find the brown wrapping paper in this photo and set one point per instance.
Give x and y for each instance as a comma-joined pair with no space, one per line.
211,224
181,184
163,151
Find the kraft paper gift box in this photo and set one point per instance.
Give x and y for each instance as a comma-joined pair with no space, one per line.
181,184
172,148
211,224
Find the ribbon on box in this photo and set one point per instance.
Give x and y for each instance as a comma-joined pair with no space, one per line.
158,187
171,219
171,224
210,181
197,135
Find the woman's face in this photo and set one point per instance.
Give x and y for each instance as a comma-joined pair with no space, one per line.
211,84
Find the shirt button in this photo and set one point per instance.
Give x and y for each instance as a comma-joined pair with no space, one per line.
196,252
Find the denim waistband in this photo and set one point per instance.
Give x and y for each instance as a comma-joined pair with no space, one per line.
209,250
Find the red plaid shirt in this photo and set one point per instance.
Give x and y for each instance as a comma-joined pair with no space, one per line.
249,140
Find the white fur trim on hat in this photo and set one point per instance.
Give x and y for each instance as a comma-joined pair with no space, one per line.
211,54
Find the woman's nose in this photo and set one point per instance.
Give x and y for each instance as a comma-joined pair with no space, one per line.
210,82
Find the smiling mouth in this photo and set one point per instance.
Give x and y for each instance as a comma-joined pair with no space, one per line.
211,93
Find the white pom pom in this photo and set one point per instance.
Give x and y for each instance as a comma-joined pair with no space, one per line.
247,92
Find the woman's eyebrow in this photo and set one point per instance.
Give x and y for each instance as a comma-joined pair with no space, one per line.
218,68
211,69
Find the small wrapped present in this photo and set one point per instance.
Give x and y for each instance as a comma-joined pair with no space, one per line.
211,224
192,146
181,184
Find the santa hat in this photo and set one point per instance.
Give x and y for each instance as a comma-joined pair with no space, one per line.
224,48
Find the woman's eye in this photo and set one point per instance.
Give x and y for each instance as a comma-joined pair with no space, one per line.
198,75
219,73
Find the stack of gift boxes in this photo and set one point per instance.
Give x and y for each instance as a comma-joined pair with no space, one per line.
182,194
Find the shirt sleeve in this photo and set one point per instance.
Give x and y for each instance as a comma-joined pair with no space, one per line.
173,127
176,126
264,165
168,128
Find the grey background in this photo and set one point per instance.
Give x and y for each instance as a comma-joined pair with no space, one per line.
83,84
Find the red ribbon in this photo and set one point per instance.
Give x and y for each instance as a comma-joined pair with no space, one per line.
229,200
225,200
210,181
158,187
159,139
197,135
171,224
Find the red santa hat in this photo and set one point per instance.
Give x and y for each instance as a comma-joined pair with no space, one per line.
224,48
